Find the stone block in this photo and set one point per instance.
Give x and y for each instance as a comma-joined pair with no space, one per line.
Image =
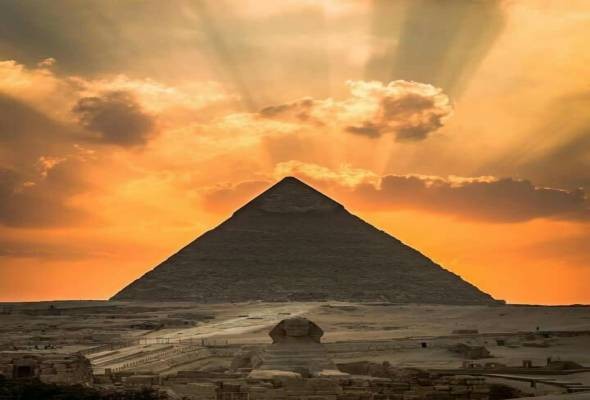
348,396
442,388
480,389
459,389
60,367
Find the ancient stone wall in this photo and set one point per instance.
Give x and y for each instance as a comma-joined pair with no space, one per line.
418,385
48,367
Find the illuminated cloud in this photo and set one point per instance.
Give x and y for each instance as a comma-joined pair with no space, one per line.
410,111
52,129
487,198
228,198
344,176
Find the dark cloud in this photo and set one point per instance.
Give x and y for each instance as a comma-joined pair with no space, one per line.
485,199
45,251
368,129
502,200
409,116
26,134
41,167
299,109
117,118
38,173
42,202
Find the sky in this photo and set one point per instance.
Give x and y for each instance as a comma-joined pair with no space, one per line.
128,128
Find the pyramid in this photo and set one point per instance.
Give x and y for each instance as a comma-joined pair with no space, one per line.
293,243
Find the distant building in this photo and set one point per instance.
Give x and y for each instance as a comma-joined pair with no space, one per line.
47,367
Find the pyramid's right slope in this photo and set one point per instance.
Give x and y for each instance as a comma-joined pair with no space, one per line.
294,243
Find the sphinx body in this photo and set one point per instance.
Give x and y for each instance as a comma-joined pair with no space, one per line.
297,347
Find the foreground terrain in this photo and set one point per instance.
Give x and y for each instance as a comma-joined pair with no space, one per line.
165,339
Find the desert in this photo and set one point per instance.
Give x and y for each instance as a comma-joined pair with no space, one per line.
537,349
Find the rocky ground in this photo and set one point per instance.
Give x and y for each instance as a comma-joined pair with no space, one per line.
166,338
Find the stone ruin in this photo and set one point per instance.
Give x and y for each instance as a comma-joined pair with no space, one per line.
296,366
470,352
392,384
59,368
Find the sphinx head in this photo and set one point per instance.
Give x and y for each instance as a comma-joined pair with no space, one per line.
296,327
301,328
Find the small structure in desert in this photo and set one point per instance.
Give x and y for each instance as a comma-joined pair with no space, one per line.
296,348
47,367
470,352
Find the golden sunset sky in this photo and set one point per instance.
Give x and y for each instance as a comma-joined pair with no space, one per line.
128,128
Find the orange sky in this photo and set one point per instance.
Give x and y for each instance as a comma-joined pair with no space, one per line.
127,129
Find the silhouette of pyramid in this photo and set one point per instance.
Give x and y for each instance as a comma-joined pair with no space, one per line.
294,243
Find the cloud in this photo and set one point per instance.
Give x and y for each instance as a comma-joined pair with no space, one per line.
485,198
299,109
53,128
344,175
26,133
116,117
43,200
230,197
40,167
410,111
12,248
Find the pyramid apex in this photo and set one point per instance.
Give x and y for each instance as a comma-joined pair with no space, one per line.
291,178
291,195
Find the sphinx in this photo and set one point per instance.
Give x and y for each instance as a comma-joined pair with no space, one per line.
296,347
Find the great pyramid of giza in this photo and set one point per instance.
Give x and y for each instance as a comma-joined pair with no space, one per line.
293,243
